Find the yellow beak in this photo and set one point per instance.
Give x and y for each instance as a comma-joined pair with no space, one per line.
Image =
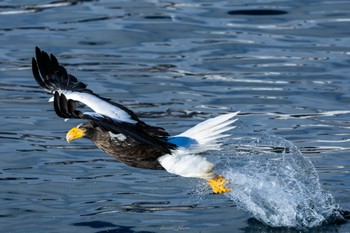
75,133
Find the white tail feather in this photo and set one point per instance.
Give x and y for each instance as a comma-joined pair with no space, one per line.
187,165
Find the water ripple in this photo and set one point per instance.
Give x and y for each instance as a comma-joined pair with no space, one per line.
283,64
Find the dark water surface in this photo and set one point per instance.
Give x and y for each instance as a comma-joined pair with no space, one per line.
283,64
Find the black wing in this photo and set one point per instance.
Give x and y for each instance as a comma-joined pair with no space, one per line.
53,77
67,109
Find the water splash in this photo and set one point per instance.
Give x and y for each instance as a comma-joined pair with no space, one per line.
271,179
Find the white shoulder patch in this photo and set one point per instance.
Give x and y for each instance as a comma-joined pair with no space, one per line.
120,137
100,106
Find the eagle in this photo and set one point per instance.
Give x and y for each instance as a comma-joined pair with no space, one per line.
118,131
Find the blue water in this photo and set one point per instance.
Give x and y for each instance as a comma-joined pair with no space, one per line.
283,64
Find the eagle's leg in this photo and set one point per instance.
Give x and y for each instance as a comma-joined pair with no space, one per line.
219,184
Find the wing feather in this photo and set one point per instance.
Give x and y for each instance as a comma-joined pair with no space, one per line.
67,89
54,78
67,109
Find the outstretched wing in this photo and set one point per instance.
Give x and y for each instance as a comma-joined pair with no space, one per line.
200,138
53,77
66,108
108,115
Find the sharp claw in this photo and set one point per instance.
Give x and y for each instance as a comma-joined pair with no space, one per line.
218,184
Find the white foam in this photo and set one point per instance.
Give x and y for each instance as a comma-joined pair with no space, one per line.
271,179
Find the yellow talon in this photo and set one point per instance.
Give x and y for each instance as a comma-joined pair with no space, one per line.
218,184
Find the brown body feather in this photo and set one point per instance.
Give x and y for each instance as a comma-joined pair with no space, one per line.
127,150
142,144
